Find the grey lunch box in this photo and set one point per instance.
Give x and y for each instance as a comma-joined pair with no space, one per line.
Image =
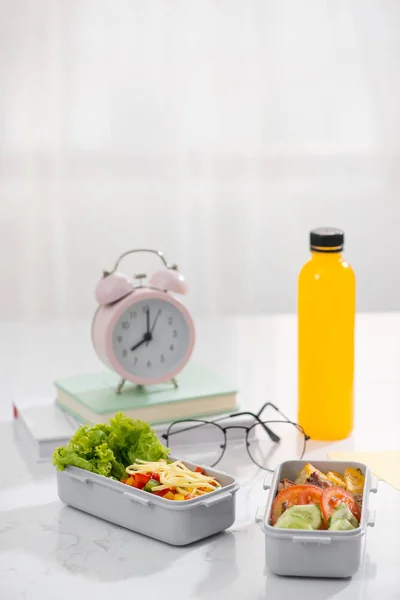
174,522
326,553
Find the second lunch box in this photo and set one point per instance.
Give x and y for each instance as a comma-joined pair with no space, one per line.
305,553
177,523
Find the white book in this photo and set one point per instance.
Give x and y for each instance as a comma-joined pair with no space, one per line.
42,428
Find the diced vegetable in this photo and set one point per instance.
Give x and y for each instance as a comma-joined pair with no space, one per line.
152,483
162,493
142,479
169,495
198,470
179,497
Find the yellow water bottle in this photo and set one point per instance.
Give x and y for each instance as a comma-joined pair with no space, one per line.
326,314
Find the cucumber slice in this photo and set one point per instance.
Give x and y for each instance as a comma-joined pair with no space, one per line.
341,525
309,512
290,521
342,512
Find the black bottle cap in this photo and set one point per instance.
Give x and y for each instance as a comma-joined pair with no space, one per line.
326,239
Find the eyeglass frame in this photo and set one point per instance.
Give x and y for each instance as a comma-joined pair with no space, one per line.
272,435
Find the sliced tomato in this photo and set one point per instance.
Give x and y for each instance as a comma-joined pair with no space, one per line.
296,494
332,497
155,476
141,479
162,493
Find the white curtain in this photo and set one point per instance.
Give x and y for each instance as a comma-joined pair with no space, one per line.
218,131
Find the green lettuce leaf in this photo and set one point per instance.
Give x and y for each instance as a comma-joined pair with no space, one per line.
108,449
149,448
117,470
102,460
63,457
86,439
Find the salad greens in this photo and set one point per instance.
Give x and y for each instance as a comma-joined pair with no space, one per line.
107,449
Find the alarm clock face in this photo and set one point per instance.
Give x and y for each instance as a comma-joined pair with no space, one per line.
151,338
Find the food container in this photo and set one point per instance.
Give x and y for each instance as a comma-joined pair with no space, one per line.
175,522
304,553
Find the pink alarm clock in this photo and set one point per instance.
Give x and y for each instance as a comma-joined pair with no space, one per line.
143,332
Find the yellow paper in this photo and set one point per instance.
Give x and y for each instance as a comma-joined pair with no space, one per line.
385,464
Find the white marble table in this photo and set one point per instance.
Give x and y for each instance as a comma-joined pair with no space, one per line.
49,551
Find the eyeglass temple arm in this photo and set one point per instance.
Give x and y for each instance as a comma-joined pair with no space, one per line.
275,408
272,435
200,424
299,427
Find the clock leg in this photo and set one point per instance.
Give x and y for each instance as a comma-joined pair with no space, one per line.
174,381
120,386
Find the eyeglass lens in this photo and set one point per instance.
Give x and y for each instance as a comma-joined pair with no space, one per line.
197,441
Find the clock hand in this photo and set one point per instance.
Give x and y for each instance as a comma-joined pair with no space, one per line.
155,320
146,338
148,326
138,344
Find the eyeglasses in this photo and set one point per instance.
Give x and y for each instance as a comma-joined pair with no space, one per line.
268,442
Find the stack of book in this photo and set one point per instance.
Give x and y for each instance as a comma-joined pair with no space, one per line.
92,398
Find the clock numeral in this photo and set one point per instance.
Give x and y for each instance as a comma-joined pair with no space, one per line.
124,353
133,314
135,360
145,308
125,325
172,347
170,320
174,333
148,363
162,358
119,339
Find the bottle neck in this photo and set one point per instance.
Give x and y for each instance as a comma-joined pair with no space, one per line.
326,256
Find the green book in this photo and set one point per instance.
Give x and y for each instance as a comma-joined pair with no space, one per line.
93,398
